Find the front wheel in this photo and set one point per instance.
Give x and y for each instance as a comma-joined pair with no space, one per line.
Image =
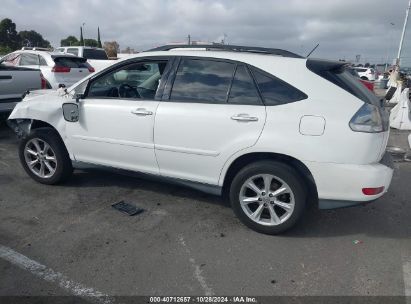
44,157
268,196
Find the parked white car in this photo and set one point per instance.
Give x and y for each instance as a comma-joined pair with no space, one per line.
57,68
96,57
366,73
272,130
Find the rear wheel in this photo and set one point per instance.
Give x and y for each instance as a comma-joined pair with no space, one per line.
268,196
44,157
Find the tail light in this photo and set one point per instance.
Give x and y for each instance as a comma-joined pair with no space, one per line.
60,69
372,191
367,119
43,82
91,69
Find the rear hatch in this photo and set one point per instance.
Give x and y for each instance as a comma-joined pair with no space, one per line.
338,74
70,69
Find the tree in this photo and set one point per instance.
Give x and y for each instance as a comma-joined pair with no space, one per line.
81,36
90,42
9,38
32,38
70,40
111,48
98,38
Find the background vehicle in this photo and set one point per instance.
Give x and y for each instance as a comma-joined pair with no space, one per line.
231,120
96,57
368,84
366,73
14,82
57,69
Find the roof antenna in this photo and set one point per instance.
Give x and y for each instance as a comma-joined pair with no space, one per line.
312,51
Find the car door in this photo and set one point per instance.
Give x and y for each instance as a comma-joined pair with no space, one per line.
212,111
116,117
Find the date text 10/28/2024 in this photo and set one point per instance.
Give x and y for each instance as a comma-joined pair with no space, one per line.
203,299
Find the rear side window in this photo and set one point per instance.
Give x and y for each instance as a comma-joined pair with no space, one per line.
29,59
275,91
71,62
94,54
200,80
72,51
243,90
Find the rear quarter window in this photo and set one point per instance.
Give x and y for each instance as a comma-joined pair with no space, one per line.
274,90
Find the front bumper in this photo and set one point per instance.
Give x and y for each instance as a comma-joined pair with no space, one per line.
342,184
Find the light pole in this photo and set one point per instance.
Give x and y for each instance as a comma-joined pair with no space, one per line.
403,34
84,36
389,45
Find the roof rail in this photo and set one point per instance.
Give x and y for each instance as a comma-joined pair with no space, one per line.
25,48
225,47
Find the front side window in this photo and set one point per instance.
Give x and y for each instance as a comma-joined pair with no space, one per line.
204,81
243,90
137,80
29,59
275,91
12,59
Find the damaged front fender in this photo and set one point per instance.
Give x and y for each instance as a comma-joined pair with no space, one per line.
21,127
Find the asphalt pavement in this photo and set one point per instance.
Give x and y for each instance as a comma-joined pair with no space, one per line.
189,243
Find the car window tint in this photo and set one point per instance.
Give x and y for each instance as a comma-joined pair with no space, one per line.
275,91
29,59
42,60
243,90
202,81
72,51
95,54
137,80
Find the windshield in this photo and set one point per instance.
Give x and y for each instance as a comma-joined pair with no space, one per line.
95,54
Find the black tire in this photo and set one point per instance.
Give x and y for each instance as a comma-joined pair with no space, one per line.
364,78
63,167
286,174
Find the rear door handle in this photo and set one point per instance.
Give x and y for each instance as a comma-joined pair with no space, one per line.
244,117
141,112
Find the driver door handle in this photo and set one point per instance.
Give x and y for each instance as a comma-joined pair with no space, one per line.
244,117
141,112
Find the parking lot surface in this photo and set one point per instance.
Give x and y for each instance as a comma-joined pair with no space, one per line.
190,243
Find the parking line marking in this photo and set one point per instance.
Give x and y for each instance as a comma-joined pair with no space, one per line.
406,270
52,276
198,273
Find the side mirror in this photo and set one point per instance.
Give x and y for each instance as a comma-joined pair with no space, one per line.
70,112
78,97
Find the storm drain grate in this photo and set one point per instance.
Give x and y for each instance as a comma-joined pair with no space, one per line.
127,208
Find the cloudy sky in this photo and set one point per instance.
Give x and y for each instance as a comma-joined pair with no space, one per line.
344,28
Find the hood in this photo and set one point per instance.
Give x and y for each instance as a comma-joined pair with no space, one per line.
41,105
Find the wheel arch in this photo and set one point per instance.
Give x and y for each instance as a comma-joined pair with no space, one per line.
248,158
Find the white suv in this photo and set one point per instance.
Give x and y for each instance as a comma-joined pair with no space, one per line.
366,73
272,130
57,68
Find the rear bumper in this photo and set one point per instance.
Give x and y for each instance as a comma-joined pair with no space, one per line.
341,184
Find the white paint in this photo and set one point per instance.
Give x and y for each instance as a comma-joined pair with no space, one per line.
52,276
406,269
198,273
